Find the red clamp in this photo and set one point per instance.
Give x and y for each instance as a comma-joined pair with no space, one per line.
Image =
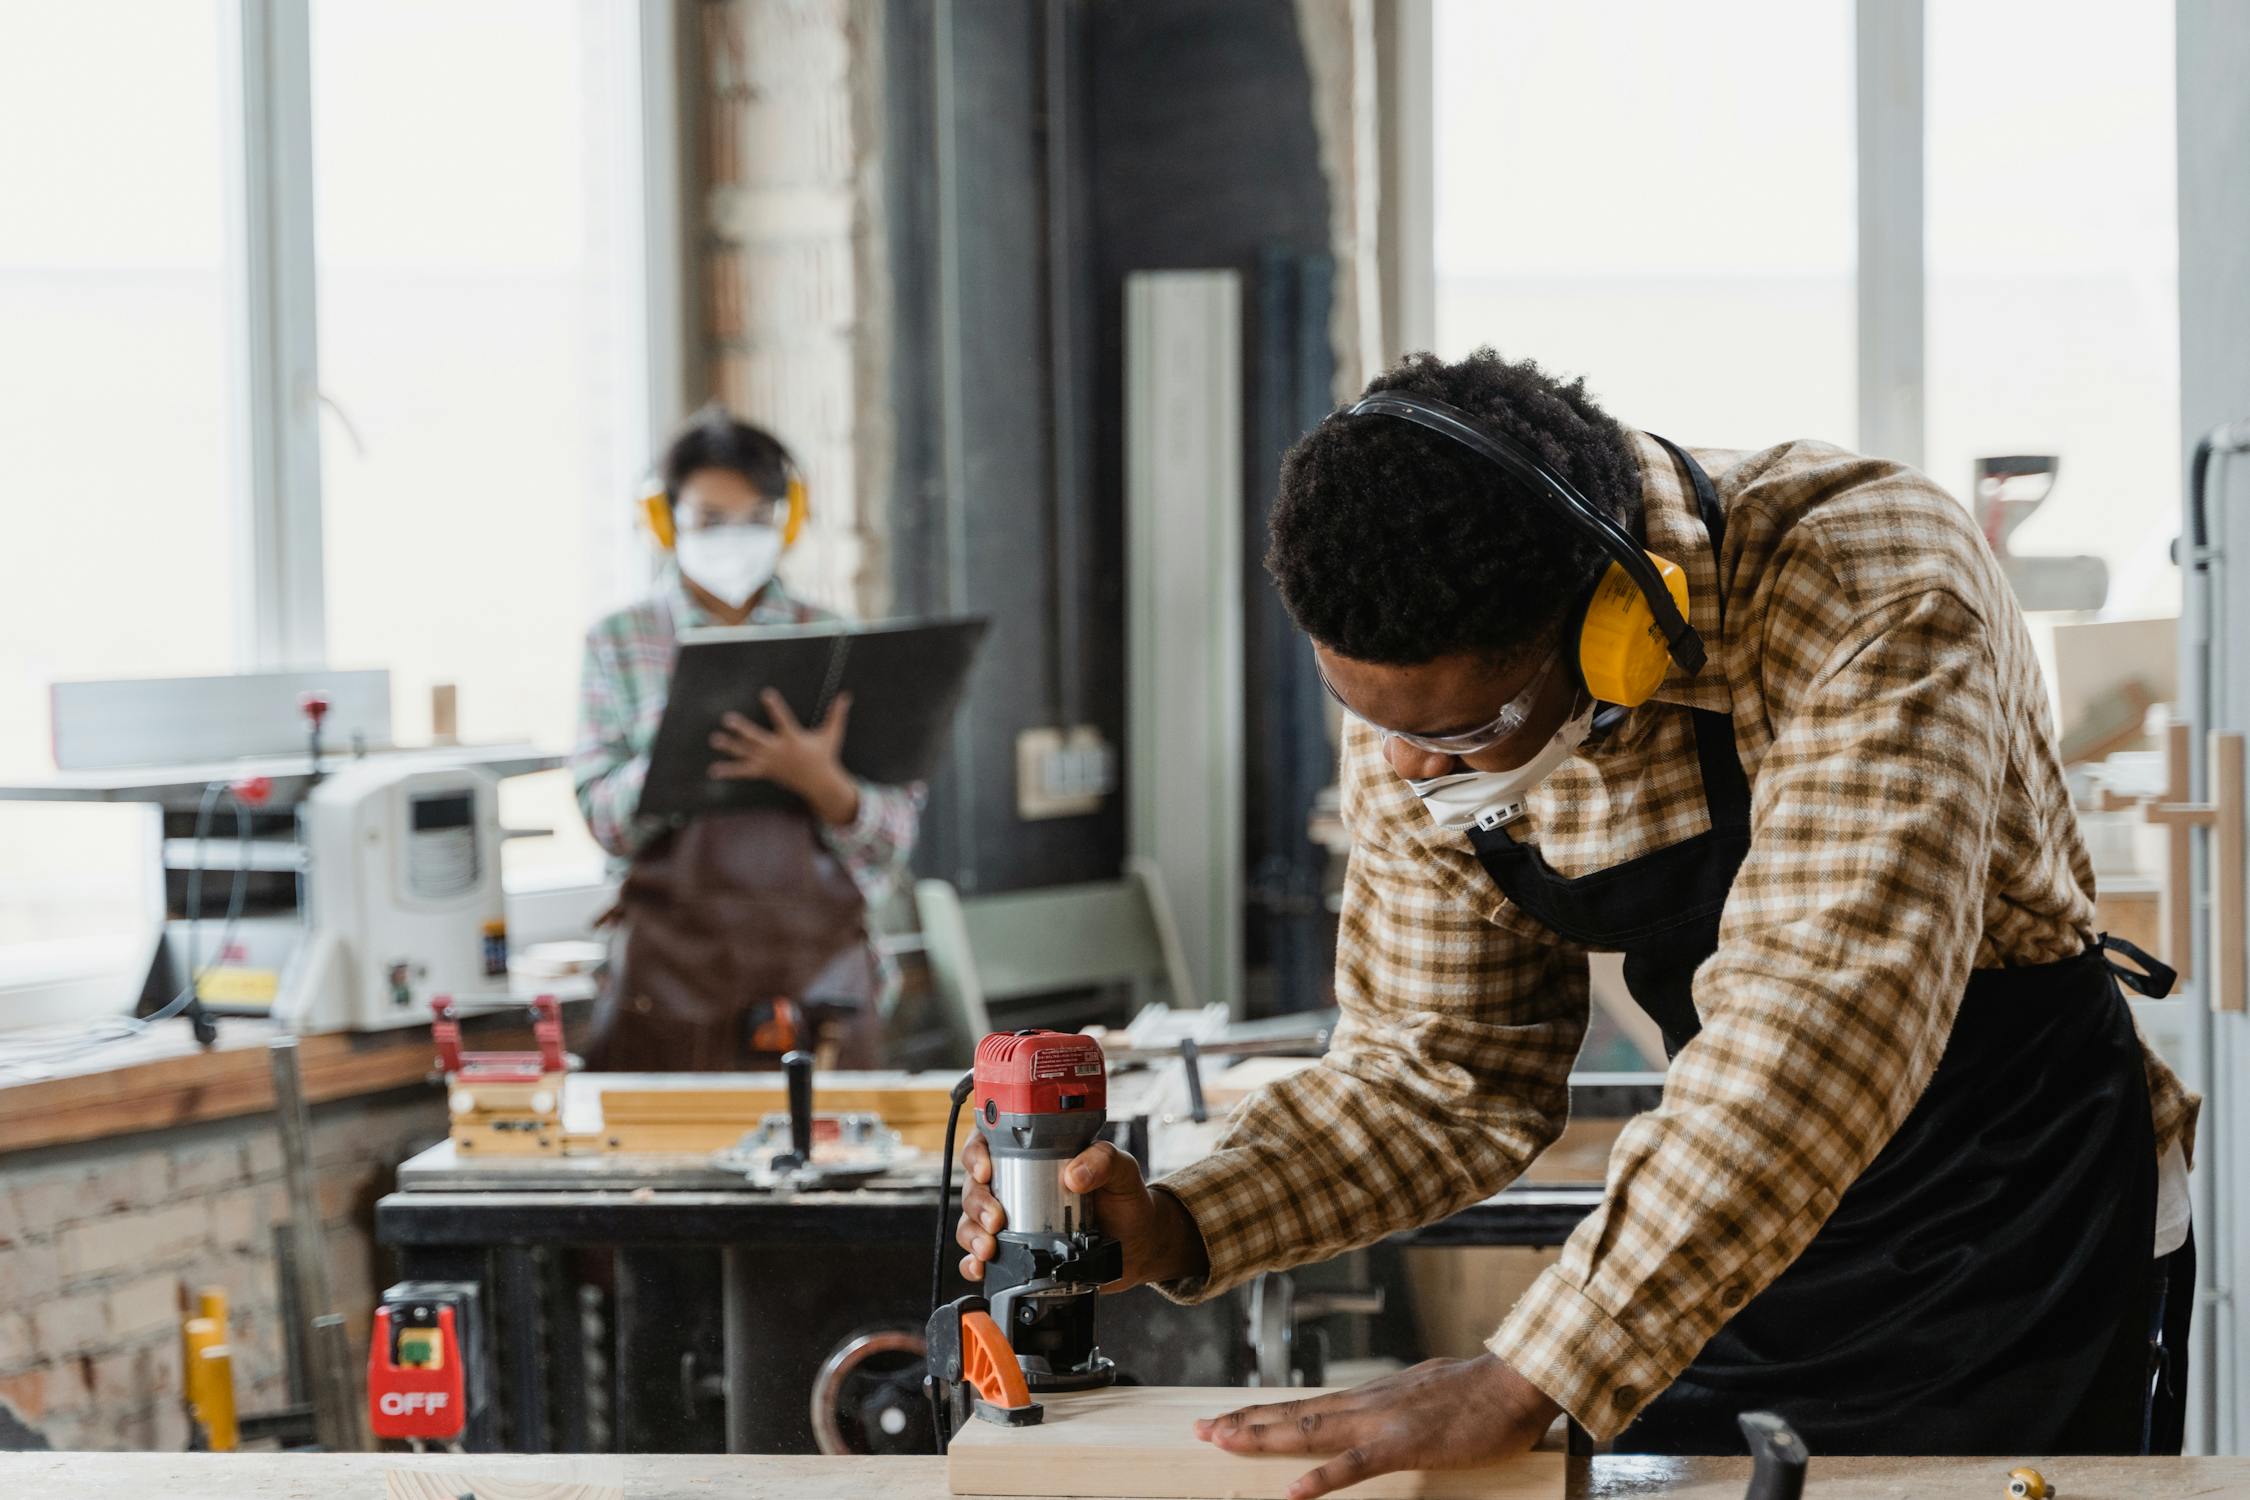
499,1067
547,1029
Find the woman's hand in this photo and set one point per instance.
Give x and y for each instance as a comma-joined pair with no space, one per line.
1442,1414
808,762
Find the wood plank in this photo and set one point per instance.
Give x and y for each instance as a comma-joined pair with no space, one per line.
1136,1441
1580,1153
421,1484
750,1104
162,1080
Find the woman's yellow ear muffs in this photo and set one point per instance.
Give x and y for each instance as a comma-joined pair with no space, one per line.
656,513
1622,655
799,509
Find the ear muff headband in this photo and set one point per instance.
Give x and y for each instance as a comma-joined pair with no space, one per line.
656,511
799,509
1635,616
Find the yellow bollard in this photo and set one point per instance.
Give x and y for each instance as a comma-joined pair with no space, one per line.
211,1302
218,1414
196,1336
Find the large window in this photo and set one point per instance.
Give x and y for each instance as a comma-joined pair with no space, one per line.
2053,263
437,210
1658,197
1665,198
475,227
117,403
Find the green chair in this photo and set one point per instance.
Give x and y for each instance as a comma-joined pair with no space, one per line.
1019,945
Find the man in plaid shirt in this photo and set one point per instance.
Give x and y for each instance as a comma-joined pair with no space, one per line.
1915,1183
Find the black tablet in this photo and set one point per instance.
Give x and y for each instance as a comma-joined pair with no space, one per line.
905,678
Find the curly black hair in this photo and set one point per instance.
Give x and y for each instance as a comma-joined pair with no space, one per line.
1392,544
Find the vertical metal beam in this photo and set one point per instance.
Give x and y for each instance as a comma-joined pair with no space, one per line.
281,619
293,1119
1184,586
663,240
2213,51
1066,658
952,392
1891,280
523,1346
1405,44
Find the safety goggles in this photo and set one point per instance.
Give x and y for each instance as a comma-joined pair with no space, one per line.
767,513
1512,717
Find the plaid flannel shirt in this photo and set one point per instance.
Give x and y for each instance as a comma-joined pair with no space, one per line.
1909,820
622,688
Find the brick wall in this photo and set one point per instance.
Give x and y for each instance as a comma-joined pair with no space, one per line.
100,1243
790,259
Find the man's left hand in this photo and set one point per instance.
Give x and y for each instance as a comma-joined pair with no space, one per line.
1442,1414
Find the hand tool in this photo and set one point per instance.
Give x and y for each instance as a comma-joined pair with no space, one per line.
808,1153
2029,1484
1778,1472
1041,1098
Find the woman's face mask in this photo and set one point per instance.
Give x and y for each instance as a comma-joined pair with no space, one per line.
730,563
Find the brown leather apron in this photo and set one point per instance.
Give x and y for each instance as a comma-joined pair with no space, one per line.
716,923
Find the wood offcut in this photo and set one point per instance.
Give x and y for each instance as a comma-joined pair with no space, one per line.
1138,1442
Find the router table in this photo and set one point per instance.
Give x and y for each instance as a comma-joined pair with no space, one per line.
505,1222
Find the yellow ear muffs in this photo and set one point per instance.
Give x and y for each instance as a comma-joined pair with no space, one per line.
1621,653
656,512
799,509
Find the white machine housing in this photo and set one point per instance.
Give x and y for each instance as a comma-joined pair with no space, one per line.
401,876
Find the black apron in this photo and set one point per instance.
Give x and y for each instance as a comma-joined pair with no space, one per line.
1982,1287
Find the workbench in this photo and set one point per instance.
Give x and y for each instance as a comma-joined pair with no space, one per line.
196,1476
501,1222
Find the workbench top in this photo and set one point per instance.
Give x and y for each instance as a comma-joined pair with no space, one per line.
197,1476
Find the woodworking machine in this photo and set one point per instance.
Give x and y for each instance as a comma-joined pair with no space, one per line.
1041,1097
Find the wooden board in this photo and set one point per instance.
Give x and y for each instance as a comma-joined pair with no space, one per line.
423,1484
1137,1441
714,1118
163,1079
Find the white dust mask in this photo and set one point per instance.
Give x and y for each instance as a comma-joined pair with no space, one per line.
730,563
1491,799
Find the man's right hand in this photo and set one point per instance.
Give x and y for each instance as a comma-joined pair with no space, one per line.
1161,1242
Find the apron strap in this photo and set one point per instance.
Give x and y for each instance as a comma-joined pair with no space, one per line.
1706,505
2153,978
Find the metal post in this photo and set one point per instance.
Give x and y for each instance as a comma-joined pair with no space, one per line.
310,1257
339,1410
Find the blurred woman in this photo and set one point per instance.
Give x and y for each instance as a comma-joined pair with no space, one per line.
739,934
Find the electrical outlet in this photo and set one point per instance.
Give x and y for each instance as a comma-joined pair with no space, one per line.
1063,773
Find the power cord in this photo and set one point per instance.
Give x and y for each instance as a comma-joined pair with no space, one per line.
939,1398
960,1096
34,1059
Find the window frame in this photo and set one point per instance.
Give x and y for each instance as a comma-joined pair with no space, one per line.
1888,282
280,609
